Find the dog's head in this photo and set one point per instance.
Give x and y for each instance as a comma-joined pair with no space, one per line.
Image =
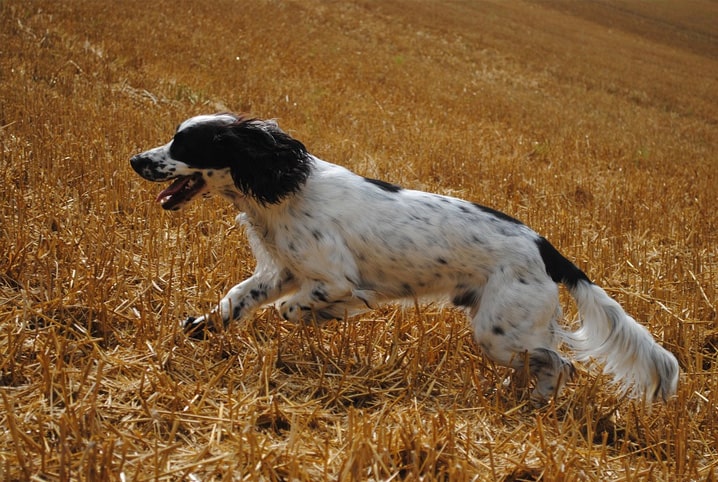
229,155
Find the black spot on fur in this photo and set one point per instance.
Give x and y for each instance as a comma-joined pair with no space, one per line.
386,186
407,290
320,294
430,204
498,214
497,330
465,299
287,276
476,239
560,269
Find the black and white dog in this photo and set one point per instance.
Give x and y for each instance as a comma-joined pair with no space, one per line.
330,243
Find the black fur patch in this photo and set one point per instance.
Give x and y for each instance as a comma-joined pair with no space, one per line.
386,186
497,330
265,162
498,214
465,299
558,267
320,294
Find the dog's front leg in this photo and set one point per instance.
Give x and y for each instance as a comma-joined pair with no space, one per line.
262,288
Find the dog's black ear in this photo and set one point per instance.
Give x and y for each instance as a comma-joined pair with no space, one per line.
265,162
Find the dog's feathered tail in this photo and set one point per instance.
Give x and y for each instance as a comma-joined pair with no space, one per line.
628,351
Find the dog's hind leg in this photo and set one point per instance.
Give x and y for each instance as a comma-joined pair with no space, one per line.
317,302
544,363
516,326
551,370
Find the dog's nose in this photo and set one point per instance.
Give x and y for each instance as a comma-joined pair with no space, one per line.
137,162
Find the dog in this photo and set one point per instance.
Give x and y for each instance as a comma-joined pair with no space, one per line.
330,244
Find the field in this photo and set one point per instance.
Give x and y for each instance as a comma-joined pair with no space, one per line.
596,123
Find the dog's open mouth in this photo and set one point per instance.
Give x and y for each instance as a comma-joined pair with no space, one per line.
181,190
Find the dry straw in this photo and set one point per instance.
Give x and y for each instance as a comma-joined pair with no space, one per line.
595,125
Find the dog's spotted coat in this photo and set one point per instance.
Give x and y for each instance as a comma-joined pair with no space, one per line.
330,243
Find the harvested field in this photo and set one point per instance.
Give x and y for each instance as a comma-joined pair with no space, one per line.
596,123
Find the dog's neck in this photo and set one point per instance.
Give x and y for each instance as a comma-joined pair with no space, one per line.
265,213
257,213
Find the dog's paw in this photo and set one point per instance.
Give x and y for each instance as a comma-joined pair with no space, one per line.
290,312
196,328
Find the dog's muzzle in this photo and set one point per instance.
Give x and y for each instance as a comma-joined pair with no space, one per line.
146,168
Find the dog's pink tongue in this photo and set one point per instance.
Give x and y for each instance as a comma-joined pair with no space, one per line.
174,188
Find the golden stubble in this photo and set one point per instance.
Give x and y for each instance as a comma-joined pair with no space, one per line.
595,127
